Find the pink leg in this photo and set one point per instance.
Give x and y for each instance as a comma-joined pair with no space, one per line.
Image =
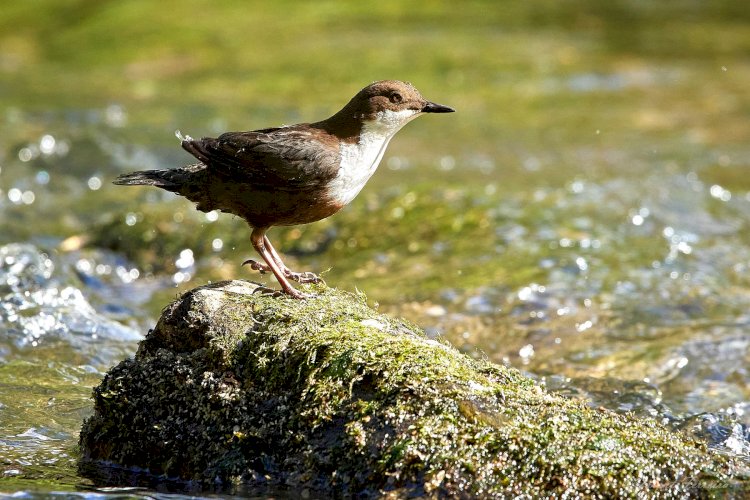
304,277
258,239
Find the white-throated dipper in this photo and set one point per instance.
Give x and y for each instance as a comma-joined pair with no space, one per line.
292,174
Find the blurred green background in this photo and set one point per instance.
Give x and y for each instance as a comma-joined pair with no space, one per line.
583,216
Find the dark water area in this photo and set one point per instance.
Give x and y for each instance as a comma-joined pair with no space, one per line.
584,216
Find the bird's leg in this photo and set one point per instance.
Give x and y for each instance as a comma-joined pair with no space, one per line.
258,239
304,277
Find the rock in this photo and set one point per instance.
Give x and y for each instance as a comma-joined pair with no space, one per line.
327,396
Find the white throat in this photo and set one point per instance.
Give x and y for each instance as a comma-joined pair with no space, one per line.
359,161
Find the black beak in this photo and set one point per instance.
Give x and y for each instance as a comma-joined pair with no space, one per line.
431,107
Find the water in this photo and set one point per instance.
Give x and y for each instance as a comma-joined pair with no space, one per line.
583,216
56,344
642,307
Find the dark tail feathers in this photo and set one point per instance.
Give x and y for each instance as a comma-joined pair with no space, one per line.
158,178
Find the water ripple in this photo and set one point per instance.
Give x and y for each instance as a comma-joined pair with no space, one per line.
39,307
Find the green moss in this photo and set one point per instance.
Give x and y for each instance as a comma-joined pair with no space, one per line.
331,395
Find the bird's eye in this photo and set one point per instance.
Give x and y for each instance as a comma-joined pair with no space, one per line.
396,98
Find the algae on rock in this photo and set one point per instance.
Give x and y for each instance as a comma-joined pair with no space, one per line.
235,387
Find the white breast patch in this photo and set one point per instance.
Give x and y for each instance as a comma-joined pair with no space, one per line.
359,161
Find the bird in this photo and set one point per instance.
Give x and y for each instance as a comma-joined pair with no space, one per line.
292,174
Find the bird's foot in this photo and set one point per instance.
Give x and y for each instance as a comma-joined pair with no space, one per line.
304,277
296,294
257,266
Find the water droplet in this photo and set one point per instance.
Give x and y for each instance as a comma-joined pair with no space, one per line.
47,144
526,352
28,197
447,163
62,148
115,116
581,327
684,247
94,183
577,186
25,154
582,264
103,269
395,163
84,266
42,177
181,277
720,193
186,259
14,195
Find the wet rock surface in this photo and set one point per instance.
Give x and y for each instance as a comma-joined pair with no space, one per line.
235,387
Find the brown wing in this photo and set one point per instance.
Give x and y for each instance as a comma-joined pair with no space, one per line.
286,158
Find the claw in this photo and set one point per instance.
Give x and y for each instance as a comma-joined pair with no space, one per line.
304,277
300,296
257,266
273,264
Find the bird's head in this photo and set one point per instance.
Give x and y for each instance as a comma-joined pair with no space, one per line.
391,104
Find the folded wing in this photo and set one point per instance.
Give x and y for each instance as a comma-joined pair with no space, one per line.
283,158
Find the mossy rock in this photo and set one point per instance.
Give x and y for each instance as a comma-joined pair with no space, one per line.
328,396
